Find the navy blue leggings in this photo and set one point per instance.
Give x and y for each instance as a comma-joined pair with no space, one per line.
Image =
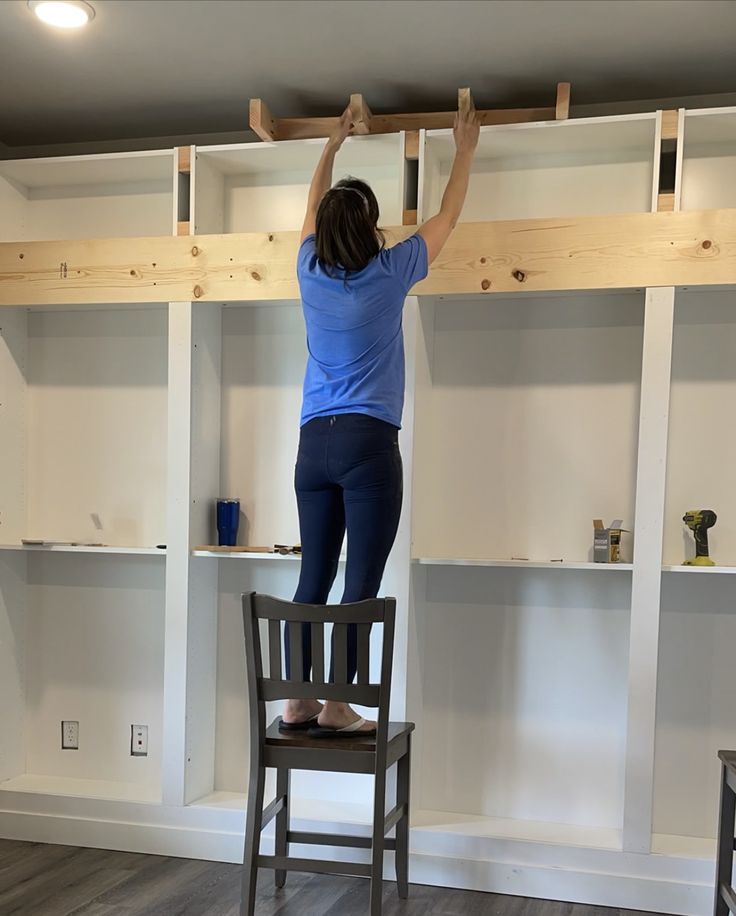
348,477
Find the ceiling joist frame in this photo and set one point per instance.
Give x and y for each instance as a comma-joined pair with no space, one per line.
270,128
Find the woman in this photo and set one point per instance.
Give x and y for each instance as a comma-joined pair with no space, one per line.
348,472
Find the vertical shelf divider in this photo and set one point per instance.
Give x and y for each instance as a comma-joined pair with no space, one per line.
190,672
647,573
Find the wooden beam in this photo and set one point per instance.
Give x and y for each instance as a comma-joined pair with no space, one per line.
465,103
360,114
670,124
666,203
184,159
562,108
595,252
409,218
183,227
262,121
411,149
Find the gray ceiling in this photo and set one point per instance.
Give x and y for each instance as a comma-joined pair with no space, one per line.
148,68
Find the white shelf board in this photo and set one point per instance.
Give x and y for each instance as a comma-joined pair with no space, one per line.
67,786
519,564
710,127
249,555
298,155
685,847
472,825
601,137
69,548
700,569
103,169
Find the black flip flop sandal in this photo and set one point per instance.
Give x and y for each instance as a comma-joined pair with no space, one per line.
298,726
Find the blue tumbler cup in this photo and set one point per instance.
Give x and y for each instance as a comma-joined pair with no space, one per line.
228,518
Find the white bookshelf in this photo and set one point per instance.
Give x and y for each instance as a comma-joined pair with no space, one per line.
110,195
540,691
547,169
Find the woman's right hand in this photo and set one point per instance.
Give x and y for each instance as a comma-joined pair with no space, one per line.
340,133
466,131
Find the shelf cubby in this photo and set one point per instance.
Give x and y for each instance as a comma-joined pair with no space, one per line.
111,195
87,637
526,425
548,169
263,187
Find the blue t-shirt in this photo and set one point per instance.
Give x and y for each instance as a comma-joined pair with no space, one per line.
354,334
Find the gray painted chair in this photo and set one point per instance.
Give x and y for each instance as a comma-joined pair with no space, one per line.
286,751
725,902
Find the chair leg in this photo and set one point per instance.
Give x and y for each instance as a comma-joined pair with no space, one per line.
403,794
254,818
283,790
378,843
724,856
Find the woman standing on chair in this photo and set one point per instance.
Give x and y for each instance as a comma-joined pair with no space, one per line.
348,472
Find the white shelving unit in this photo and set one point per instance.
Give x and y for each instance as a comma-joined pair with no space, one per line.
111,195
567,722
263,187
547,169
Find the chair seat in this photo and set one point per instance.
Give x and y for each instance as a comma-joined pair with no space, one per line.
397,731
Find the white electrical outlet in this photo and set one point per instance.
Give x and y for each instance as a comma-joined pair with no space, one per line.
139,741
69,735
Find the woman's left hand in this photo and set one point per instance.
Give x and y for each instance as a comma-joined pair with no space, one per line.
339,134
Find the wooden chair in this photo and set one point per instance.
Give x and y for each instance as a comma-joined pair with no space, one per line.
725,902
285,751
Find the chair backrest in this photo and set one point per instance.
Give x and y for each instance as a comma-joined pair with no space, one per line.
363,614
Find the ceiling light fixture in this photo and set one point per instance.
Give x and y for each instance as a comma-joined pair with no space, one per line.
63,14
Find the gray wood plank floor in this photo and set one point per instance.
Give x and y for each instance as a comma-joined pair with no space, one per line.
39,880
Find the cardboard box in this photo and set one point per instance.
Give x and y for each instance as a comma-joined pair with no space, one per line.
607,541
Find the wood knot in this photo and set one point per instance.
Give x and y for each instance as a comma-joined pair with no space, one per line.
195,251
518,275
270,238
197,292
707,244
21,256
483,260
255,275
133,273
485,284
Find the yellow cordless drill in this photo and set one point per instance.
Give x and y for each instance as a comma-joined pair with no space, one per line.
699,521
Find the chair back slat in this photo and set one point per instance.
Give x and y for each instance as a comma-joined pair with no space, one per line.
296,652
340,652
318,653
364,653
371,611
274,649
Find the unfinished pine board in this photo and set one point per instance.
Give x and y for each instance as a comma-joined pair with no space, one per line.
608,252
80,197
695,711
506,731
94,653
709,159
263,187
526,425
702,445
563,168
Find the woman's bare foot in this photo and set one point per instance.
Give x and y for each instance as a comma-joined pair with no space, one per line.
340,715
298,711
